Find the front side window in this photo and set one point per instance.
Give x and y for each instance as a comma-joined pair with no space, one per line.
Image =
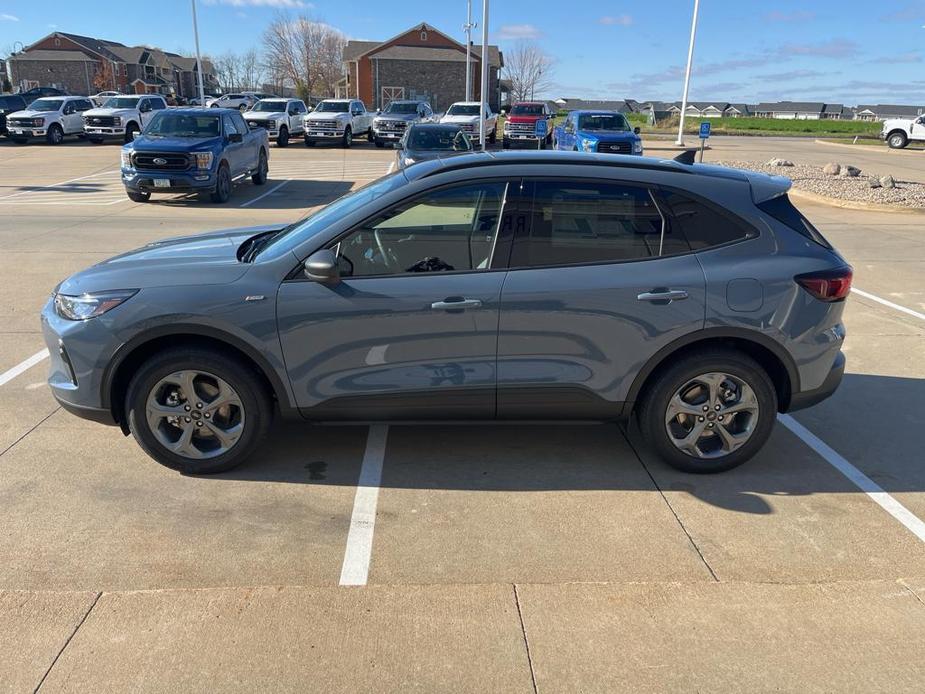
453,229
239,123
228,125
589,222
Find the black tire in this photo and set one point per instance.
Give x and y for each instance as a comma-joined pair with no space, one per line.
347,139
223,185
260,176
242,108
138,195
369,134
379,143
897,140
130,131
494,136
55,135
282,140
256,404
309,143
505,144
651,414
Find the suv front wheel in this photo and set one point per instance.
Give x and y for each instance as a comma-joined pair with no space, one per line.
709,412
197,411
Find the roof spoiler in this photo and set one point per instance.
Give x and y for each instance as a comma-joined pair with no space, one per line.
686,157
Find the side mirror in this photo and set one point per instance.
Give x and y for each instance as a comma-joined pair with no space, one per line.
136,135
321,266
235,137
636,130
378,110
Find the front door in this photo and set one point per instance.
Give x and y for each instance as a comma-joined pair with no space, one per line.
411,329
234,151
598,282
918,128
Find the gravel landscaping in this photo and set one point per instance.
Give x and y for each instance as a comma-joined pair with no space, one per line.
850,188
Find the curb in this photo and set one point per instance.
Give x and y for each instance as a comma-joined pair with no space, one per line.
871,148
852,204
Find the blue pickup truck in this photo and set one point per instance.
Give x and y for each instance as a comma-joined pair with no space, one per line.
194,150
597,131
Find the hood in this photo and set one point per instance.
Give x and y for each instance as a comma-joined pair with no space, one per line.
146,143
897,123
526,118
460,119
110,112
264,115
200,259
29,113
396,116
608,135
328,115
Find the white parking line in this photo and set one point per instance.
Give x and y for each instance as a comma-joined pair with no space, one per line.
897,307
391,168
10,374
889,504
359,549
261,197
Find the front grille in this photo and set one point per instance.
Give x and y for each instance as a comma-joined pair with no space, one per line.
144,161
20,122
322,125
259,124
615,147
523,128
393,125
102,121
469,127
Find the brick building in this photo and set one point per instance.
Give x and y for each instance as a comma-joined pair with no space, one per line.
420,63
73,63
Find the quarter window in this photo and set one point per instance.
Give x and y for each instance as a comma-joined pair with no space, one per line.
585,222
702,226
448,230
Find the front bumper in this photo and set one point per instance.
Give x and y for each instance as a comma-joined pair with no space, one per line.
323,134
104,131
178,181
26,132
389,135
808,398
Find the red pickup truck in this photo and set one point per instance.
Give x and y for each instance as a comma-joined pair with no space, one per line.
520,126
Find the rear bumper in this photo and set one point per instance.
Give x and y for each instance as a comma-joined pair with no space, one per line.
808,398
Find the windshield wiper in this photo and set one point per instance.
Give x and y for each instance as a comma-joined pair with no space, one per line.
251,248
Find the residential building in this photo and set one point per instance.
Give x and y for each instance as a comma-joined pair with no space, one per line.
420,63
885,111
791,110
619,105
738,111
80,64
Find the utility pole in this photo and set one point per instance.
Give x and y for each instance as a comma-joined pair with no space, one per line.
468,27
483,91
202,87
687,75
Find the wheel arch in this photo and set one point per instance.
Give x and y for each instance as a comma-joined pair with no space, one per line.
772,357
132,354
897,131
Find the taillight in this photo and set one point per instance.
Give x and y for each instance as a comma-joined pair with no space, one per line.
827,285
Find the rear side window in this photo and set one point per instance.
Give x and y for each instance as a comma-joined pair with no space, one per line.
588,222
703,226
784,211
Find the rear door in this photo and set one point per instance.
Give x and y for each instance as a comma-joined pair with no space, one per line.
598,283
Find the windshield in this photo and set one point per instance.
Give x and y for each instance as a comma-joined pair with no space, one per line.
270,106
405,107
603,121
527,110
343,206
122,102
7,102
463,110
166,124
333,107
447,139
46,105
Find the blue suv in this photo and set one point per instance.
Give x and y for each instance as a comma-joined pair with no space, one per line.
510,285
194,150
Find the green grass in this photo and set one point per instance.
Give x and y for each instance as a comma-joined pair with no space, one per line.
764,126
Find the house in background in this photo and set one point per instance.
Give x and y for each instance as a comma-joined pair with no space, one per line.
885,111
738,111
78,64
790,110
618,105
420,63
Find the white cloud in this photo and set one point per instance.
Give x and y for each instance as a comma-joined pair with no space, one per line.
278,4
519,31
8,18
623,20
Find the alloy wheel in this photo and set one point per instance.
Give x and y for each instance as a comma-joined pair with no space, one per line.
711,415
195,414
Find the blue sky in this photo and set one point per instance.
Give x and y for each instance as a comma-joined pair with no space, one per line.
841,50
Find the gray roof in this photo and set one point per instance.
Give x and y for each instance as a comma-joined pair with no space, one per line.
128,54
354,49
790,106
420,53
892,109
741,108
53,55
701,105
599,104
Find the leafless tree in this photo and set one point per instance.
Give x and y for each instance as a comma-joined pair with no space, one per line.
305,53
528,69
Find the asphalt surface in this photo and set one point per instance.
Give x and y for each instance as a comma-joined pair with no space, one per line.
506,558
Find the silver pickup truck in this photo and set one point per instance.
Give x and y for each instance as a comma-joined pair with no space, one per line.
338,120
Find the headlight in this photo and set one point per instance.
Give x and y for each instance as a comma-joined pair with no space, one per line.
637,147
203,160
88,306
588,144
126,158
38,122
117,120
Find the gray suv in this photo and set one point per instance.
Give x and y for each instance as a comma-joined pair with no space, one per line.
512,285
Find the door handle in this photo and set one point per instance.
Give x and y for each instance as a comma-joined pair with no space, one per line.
664,296
455,303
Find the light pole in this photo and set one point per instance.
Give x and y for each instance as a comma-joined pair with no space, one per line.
468,27
687,75
202,87
483,90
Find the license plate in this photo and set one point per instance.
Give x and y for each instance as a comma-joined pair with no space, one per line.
162,183
318,134
16,132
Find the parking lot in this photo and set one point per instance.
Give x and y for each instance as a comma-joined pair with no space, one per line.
508,558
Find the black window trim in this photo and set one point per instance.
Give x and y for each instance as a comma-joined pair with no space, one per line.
752,232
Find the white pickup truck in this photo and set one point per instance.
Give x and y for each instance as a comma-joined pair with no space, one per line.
121,117
338,120
465,114
281,118
51,118
899,132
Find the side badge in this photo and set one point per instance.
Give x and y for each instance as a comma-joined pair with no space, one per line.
255,297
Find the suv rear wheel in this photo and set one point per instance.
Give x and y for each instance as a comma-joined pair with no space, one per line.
709,412
197,411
